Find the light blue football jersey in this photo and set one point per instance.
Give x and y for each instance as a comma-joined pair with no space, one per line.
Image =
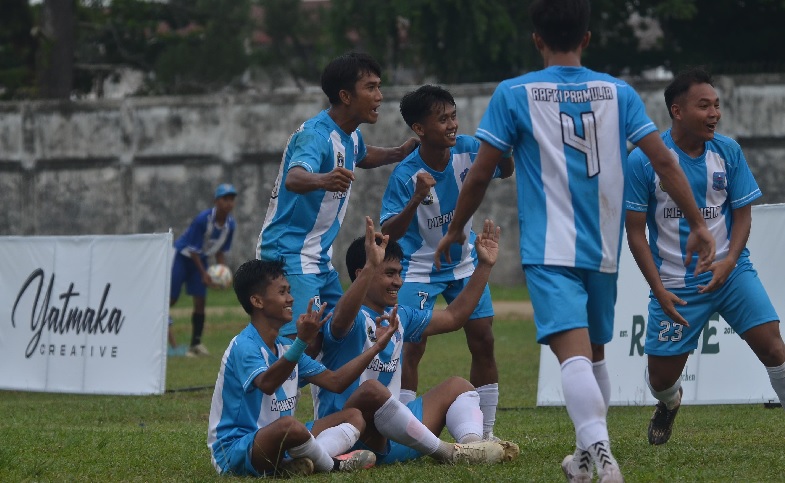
204,237
721,181
301,228
433,215
238,407
568,127
385,367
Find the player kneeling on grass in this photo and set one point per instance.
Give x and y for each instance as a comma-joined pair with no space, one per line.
252,428
398,432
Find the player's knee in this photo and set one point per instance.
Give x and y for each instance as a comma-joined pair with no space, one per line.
458,385
294,429
355,417
373,390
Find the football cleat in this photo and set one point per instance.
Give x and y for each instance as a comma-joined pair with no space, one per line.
355,460
483,452
661,422
578,467
295,467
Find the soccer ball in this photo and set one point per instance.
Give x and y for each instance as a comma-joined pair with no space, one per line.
220,275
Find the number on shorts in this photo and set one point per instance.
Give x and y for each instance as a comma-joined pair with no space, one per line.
423,299
666,327
586,144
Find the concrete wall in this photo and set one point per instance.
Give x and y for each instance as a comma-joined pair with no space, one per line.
145,165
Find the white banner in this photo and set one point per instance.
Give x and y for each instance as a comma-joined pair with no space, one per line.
723,370
84,314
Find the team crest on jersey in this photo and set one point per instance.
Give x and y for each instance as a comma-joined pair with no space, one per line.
340,160
463,174
428,199
371,333
317,303
293,375
719,181
662,188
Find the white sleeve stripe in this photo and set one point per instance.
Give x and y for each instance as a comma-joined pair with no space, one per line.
301,164
744,198
483,131
632,136
637,206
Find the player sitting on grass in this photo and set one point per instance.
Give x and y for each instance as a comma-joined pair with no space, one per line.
252,425
398,432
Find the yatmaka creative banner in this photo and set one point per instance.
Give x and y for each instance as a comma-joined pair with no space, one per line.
84,314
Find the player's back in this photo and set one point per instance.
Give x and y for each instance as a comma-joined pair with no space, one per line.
568,128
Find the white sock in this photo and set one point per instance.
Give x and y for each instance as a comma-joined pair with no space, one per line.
600,370
394,421
338,439
601,454
311,449
777,378
670,396
584,401
489,400
407,396
464,418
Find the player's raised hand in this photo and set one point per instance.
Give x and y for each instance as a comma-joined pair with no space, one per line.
310,323
487,243
423,185
701,242
385,332
374,253
338,180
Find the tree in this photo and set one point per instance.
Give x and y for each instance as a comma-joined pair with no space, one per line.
17,49
56,49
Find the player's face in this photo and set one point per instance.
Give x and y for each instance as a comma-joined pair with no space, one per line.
277,301
366,98
383,292
225,204
700,111
440,127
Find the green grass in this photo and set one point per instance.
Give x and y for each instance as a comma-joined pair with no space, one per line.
61,437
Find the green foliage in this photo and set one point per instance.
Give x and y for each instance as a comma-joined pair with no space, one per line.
17,48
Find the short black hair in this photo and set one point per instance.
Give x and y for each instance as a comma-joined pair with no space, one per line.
417,105
253,277
355,254
682,82
561,23
342,73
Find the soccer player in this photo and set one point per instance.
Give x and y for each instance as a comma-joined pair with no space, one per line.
209,234
398,432
681,303
310,195
416,209
252,425
568,127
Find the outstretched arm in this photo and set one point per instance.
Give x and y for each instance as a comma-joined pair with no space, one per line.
338,381
377,156
349,305
457,313
469,199
675,182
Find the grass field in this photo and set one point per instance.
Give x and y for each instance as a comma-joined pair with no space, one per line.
59,437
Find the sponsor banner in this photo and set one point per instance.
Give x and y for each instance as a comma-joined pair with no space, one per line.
723,370
84,314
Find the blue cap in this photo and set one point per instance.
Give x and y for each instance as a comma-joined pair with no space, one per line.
225,189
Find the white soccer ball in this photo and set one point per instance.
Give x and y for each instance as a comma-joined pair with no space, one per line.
220,275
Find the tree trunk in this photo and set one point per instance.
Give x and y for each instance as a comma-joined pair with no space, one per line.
56,51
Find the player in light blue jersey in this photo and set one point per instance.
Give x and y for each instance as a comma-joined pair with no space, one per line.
209,234
310,195
416,210
682,303
252,429
568,127
398,432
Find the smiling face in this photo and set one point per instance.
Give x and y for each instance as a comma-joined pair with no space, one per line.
697,112
439,127
383,291
364,102
275,302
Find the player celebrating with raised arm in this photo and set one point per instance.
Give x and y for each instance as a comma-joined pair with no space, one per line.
568,127
681,301
310,195
252,425
398,432
416,210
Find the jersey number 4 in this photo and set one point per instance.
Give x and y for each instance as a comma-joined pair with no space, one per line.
587,144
